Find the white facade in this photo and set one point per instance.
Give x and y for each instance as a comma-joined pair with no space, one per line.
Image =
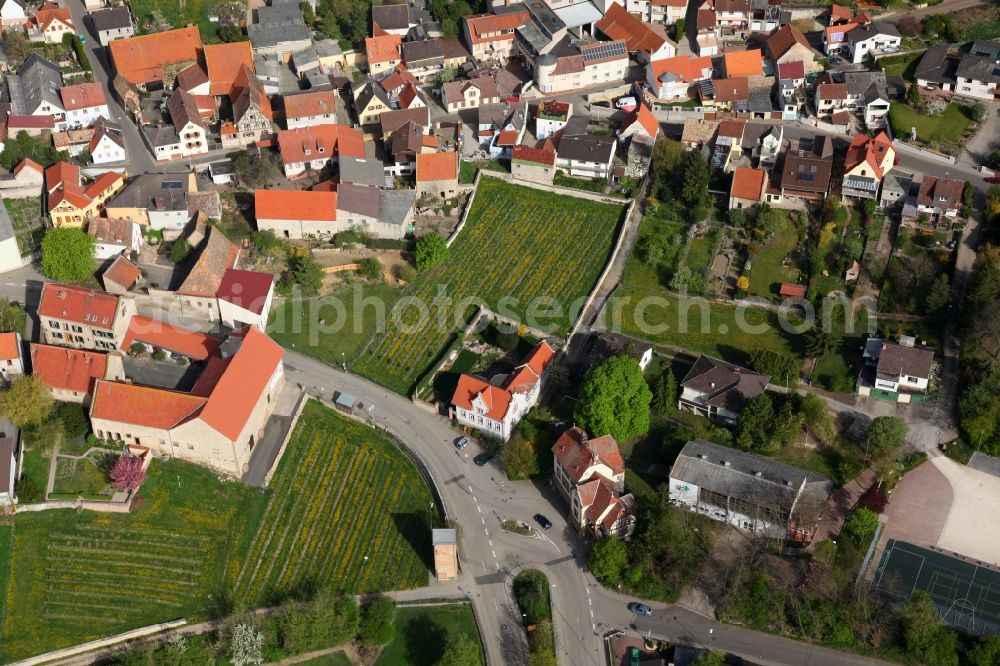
12,13
984,90
85,117
108,151
520,404
901,383
683,493
860,50
10,254
107,249
167,220
235,316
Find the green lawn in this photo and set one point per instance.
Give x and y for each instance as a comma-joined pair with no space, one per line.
35,465
522,251
950,126
81,476
650,312
700,252
79,576
6,551
902,65
768,272
586,184
180,13
348,510
335,659
422,634
329,327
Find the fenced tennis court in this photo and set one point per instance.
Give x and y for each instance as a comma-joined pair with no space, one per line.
966,591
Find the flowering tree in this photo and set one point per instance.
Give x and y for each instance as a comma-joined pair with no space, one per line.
127,473
246,646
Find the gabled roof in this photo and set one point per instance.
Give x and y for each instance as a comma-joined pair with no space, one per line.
524,153
684,68
82,96
723,384
184,109
867,31
49,13
743,63
398,77
67,369
832,91
216,255
10,348
141,59
77,304
484,28
318,141
105,128
469,388
899,360
937,192
295,205
122,272
978,68
223,62
638,36
384,48
143,405
731,90
644,116
437,166
872,150
732,128
111,19
795,69
577,453
748,183
161,335
782,41
527,374
191,77
28,163
314,103
454,91
111,230
246,289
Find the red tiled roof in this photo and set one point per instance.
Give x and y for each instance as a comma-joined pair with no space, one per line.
871,150
792,290
123,272
162,335
242,383
49,12
28,163
795,69
68,369
383,48
732,90
527,374
497,399
747,183
576,457
15,123
246,289
437,166
191,77
315,103
784,39
484,28
140,59
644,117
686,69
743,63
840,13
82,96
143,405
535,155
321,141
732,128
295,205
638,36
399,77
507,138
9,348
223,62
77,304
832,90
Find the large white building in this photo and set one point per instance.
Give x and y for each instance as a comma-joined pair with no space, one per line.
750,492
496,410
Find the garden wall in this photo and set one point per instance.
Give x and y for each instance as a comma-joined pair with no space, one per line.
100,643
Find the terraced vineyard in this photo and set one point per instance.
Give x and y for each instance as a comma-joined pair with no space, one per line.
79,576
518,242
348,510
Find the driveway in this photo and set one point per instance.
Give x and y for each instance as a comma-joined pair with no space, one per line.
987,139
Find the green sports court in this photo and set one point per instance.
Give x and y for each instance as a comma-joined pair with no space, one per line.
966,591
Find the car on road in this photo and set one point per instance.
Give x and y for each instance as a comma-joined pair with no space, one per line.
461,443
640,609
993,180
543,521
483,458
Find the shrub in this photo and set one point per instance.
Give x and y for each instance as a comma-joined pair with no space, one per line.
136,350
179,250
27,490
407,273
861,526
370,268
431,251
159,355
376,621
74,419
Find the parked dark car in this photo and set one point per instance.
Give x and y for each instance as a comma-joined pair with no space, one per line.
482,458
461,442
640,609
993,180
543,521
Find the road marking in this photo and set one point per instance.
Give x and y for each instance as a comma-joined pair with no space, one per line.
490,540
11,284
482,518
494,553
495,605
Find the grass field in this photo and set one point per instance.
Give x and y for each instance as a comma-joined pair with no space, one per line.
700,252
296,323
335,659
519,247
80,576
6,550
180,13
348,510
768,272
423,633
950,126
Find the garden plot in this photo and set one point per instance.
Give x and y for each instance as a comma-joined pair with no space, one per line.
517,242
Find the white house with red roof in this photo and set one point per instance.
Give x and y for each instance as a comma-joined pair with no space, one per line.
11,363
71,373
83,318
83,103
245,298
590,475
497,407
641,124
671,78
491,36
216,424
866,163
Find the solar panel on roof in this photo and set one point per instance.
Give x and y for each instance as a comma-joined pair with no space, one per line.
604,51
171,185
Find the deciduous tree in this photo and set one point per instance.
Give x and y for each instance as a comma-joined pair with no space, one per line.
27,401
246,646
614,400
461,651
431,250
753,427
861,526
68,254
885,435
608,559
127,473
377,618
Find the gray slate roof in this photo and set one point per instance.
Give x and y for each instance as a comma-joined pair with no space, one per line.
368,171
40,81
978,68
149,191
726,385
391,17
756,479
111,19
863,32
871,86
395,204
279,22
935,66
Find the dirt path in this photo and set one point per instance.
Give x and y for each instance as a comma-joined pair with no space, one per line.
350,650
